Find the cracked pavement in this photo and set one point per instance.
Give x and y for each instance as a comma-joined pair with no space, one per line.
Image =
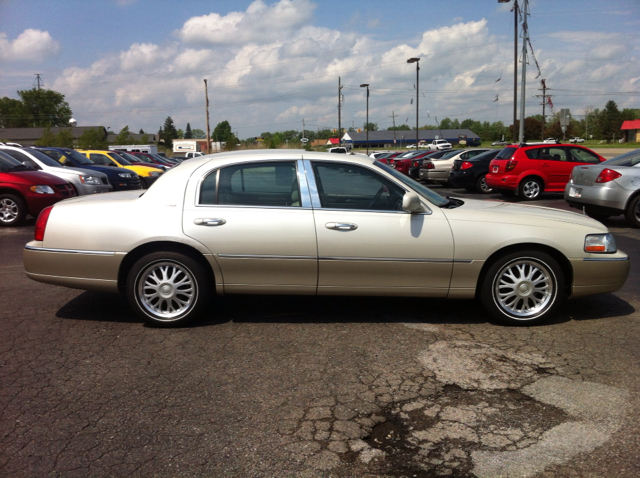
315,387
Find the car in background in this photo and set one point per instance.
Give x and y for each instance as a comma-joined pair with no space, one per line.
386,157
83,180
439,145
500,143
120,178
442,166
576,140
25,191
283,221
109,158
607,189
338,149
145,159
528,170
471,173
193,154
551,140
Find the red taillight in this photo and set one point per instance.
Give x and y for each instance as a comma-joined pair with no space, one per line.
41,223
511,165
415,164
430,165
607,175
466,165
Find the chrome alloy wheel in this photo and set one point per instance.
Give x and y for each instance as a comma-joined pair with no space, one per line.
167,290
524,289
531,189
8,210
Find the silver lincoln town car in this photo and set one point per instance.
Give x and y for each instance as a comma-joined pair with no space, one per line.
299,222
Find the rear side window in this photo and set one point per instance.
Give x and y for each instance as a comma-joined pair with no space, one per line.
506,153
547,154
100,159
579,155
264,184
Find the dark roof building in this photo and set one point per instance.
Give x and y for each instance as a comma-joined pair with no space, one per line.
28,136
389,139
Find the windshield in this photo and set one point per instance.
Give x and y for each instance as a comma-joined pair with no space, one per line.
486,155
449,154
77,157
119,159
132,158
43,158
7,163
632,158
432,196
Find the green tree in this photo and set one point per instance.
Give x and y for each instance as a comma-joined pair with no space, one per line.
371,126
44,108
180,134
93,139
169,133
124,136
198,134
11,113
64,138
188,134
47,139
223,133
611,121
141,131
402,127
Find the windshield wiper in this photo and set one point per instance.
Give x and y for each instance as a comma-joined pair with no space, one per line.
452,203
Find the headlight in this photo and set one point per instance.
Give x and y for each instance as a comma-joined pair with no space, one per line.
90,180
153,174
42,189
125,175
600,243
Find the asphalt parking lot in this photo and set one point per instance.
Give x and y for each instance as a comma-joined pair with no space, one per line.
316,387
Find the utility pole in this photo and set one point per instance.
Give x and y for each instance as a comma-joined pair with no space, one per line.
339,113
525,39
303,143
206,97
38,79
393,115
515,66
544,103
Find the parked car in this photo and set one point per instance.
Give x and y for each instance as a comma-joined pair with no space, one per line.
404,161
439,145
528,170
471,173
120,178
576,140
281,221
83,180
443,165
25,191
427,163
500,143
386,157
147,174
607,189
551,140
193,154
338,149
145,159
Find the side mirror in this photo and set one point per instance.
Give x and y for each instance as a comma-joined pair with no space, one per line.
411,202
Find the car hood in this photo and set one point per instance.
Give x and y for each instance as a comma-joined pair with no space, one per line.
509,213
31,177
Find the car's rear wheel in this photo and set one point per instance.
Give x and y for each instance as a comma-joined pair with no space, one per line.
530,188
523,288
13,210
168,289
482,186
633,212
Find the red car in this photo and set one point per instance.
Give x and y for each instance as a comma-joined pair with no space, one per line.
529,169
26,191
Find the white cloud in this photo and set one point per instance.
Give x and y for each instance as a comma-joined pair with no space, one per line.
144,55
31,45
260,23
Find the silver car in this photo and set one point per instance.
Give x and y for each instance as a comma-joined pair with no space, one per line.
607,189
85,181
442,166
302,222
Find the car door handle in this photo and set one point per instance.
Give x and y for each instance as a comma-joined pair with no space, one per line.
209,222
341,226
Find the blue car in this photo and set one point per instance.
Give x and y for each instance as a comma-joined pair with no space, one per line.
120,178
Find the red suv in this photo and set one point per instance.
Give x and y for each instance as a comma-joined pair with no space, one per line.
26,191
529,169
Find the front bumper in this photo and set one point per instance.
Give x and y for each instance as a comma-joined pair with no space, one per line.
599,274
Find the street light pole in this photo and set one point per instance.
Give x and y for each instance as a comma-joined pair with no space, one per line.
417,62
366,85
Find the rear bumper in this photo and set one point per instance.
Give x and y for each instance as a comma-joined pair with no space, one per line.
609,197
502,181
462,179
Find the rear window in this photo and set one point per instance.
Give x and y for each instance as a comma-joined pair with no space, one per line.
631,158
506,153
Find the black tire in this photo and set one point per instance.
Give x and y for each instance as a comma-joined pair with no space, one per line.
523,288
13,210
633,212
508,193
482,186
530,188
598,216
168,289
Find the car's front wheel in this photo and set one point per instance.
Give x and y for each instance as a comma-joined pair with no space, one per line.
168,289
523,288
633,212
530,188
13,210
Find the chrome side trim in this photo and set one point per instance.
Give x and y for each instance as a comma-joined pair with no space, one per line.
69,251
313,187
264,256
384,259
605,259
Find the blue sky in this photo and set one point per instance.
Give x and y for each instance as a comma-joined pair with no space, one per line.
272,63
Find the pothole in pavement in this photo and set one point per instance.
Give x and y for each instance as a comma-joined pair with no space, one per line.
436,437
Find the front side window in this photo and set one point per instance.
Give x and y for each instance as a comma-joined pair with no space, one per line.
579,155
273,184
347,186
